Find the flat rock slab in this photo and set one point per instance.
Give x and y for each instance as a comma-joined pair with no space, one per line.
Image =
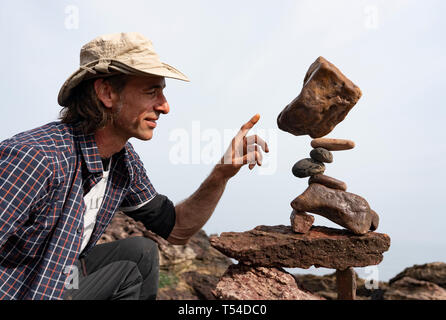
325,100
332,144
279,246
241,282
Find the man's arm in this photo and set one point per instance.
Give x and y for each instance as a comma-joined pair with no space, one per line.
194,212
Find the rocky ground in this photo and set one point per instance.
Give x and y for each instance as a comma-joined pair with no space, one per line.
192,272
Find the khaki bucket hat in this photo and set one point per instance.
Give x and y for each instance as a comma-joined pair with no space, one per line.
128,53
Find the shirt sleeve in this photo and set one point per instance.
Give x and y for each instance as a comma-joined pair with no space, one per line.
24,180
158,215
141,190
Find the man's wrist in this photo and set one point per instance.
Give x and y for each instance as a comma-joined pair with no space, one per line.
220,173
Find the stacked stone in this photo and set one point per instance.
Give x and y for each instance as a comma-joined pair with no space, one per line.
314,168
324,101
326,195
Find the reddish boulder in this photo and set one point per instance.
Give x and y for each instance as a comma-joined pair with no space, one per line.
346,209
408,288
241,282
434,272
325,100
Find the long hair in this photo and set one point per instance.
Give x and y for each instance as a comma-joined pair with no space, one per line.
84,107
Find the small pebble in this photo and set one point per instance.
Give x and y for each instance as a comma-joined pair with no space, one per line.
307,167
301,222
321,155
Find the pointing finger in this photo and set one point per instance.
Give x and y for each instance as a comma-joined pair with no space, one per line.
248,125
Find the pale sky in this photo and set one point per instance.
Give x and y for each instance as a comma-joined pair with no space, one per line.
250,57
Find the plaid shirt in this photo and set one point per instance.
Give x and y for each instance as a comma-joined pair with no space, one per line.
44,174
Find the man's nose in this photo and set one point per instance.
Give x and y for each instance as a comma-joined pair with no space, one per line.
163,105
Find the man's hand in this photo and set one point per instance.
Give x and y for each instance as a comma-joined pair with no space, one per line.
192,213
243,150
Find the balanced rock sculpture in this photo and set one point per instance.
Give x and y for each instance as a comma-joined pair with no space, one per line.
325,100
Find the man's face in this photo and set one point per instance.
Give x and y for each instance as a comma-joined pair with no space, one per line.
142,101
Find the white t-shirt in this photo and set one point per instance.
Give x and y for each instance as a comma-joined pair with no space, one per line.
93,201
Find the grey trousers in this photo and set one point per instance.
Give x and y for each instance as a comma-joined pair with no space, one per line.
121,270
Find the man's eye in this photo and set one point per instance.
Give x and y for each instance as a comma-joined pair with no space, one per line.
151,92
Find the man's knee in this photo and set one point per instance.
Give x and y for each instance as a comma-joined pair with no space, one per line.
143,249
131,280
148,266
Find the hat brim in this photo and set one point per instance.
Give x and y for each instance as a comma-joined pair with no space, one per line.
116,67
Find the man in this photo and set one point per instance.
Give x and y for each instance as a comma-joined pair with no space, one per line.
61,183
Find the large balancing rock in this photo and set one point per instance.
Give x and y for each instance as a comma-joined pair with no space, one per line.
280,246
325,100
344,208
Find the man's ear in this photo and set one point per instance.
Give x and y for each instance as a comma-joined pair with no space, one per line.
104,92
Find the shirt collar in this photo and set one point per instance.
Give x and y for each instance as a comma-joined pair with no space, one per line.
89,149
90,152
